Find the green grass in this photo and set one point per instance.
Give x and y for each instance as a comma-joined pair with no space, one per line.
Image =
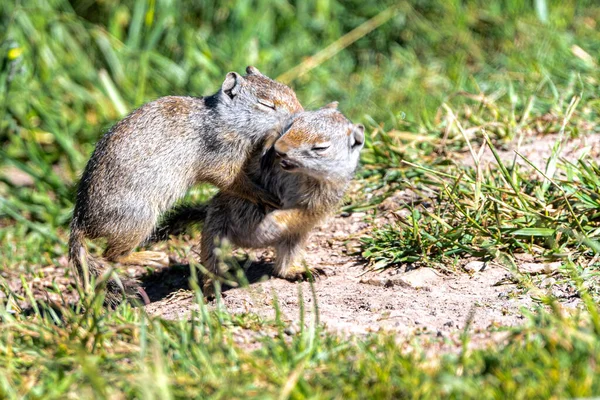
59,352
431,80
494,211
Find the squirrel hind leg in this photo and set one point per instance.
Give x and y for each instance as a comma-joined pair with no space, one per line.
208,246
214,254
120,244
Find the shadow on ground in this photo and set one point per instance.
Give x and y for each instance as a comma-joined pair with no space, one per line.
160,284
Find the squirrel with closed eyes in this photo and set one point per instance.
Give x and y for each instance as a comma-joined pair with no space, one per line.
148,160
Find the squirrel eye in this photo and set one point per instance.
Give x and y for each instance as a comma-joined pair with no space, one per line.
266,103
321,147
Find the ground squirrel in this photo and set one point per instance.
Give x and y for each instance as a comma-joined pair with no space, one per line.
309,169
147,161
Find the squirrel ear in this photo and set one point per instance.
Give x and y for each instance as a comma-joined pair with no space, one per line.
231,84
358,133
250,70
333,104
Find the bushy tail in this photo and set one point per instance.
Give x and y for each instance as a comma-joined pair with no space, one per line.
87,267
178,220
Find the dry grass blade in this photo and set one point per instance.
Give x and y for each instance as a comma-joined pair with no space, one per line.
340,44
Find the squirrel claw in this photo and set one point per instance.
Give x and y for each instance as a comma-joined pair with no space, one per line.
142,293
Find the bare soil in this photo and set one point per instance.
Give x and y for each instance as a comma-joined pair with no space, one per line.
353,300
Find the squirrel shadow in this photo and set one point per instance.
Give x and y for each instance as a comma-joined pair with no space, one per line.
160,284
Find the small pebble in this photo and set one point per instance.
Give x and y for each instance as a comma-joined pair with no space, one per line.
290,331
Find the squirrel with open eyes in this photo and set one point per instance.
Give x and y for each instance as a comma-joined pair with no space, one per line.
148,160
309,168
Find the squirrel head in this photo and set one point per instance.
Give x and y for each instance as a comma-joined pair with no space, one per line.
323,144
257,101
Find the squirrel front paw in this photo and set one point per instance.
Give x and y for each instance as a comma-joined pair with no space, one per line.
302,272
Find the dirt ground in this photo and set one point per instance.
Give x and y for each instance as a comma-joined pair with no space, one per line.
352,299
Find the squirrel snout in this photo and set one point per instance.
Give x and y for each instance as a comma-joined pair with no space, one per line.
280,154
281,149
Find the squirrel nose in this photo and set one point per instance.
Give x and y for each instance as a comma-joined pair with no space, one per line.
280,154
281,150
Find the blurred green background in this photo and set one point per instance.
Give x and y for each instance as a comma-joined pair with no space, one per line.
68,70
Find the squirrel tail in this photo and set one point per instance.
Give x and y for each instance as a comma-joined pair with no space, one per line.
87,267
178,220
